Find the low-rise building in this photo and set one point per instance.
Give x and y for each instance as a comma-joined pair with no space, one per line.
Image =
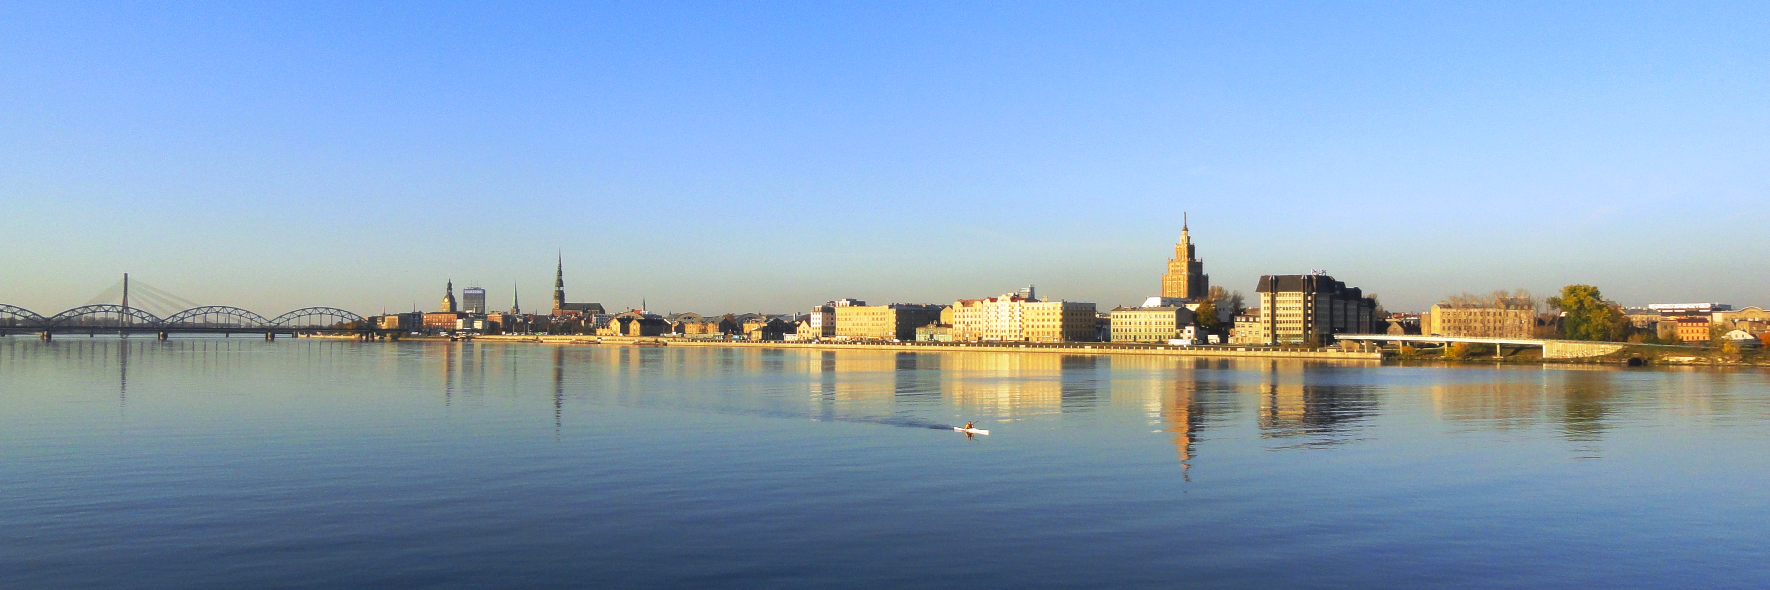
1152,324
1692,328
1480,322
634,323
1753,320
897,321
1675,310
444,320
1247,328
1019,317
402,321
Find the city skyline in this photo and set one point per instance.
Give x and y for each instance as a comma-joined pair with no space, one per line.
712,159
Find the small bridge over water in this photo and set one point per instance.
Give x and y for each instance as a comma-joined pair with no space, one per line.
1552,349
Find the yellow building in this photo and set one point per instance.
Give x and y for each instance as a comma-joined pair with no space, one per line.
1186,278
1021,318
1152,324
1754,320
897,321
1480,322
1693,328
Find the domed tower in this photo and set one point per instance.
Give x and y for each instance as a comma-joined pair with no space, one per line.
448,302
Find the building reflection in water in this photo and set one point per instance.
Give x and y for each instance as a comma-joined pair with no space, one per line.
1296,403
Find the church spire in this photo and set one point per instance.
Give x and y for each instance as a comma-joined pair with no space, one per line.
515,302
559,283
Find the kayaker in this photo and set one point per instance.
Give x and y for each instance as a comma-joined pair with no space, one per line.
968,425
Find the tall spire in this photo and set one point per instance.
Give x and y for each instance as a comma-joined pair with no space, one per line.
559,283
1182,221
515,303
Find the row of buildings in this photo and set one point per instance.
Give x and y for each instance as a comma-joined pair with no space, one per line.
1291,310
1300,309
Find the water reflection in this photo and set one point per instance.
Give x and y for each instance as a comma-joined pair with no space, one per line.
1294,405
1291,404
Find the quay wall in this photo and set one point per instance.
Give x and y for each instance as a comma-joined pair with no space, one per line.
1065,348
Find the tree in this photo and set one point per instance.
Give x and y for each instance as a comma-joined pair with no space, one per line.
1589,316
1226,299
1206,317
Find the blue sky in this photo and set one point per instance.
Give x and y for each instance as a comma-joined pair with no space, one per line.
752,156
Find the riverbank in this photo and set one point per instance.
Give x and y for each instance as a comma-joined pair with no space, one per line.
1085,348
1630,355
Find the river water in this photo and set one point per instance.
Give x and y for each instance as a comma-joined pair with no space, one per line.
239,463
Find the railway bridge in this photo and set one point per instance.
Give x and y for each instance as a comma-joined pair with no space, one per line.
207,319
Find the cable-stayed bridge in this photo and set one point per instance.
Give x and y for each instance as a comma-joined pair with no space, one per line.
176,315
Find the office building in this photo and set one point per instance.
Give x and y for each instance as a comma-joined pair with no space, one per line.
473,300
1310,309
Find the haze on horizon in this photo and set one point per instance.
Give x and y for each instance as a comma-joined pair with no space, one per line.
767,157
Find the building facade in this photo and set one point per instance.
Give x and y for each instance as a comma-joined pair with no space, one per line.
1692,328
1012,317
1753,320
1247,328
1310,309
822,320
1186,278
897,321
1479,322
473,300
1152,324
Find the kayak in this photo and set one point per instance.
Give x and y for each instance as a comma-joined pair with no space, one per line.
971,430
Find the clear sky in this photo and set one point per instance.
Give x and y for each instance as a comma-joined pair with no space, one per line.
767,157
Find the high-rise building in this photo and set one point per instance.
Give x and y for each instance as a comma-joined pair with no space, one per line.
448,302
473,300
560,306
1186,278
1310,309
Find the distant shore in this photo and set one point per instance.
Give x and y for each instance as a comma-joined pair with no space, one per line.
1090,348
1654,357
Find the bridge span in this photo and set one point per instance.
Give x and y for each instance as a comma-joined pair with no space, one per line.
1552,349
207,319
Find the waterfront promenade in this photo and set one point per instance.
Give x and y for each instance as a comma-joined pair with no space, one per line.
1091,348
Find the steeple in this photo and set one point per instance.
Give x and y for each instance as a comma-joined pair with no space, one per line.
559,284
448,302
515,304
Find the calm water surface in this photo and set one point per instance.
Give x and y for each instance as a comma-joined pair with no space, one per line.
236,463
